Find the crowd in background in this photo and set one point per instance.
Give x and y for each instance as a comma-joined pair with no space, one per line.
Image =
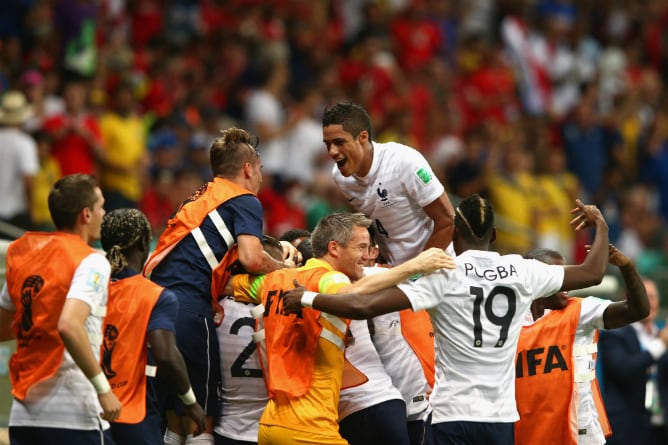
530,103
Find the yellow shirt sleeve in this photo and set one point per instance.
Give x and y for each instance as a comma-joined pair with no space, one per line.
331,282
247,288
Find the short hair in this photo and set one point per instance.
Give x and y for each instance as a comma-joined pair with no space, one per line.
336,227
542,254
293,234
273,247
231,151
122,231
306,249
352,117
69,196
474,218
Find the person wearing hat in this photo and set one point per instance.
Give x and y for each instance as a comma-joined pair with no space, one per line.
18,164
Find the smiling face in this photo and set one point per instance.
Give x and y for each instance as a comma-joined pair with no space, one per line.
352,155
351,258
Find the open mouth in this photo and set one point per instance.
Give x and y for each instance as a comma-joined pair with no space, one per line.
340,163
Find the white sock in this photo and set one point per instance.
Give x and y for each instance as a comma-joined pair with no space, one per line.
202,439
172,438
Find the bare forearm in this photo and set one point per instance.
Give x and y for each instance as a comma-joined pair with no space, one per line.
361,307
77,344
636,305
387,278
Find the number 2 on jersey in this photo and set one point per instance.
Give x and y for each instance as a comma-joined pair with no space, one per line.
237,369
503,321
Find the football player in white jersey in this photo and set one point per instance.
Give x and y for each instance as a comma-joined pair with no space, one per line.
244,394
391,183
395,187
373,412
589,425
477,311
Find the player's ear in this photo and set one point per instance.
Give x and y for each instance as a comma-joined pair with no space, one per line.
363,137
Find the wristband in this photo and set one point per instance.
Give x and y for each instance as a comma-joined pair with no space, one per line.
308,297
100,383
188,398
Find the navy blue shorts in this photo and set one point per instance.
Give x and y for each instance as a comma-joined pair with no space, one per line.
419,432
220,440
197,340
473,433
380,424
35,435
147,432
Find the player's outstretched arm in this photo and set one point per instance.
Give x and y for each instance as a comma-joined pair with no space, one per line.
425,263
352,305
592,269
636,305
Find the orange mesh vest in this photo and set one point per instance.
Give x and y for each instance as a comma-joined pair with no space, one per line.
291,340
123,354
418,332
545,380
189,217
38,286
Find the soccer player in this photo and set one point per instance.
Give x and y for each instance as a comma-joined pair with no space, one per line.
244,394
557,392
139,337
477,312
305,361
223,213
395,187
53,303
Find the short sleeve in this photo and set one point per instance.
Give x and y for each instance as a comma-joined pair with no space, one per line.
423,292
419,180
246,287
248,217
5,300
91,281
591,312
543,279
163,315
331,282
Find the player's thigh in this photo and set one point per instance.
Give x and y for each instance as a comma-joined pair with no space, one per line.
28,435
198,342
381,424
472,433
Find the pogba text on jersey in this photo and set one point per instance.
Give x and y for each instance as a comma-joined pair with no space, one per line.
492,274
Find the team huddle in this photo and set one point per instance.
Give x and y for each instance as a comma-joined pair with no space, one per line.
393,325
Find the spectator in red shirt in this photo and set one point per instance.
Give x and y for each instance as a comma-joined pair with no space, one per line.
77,143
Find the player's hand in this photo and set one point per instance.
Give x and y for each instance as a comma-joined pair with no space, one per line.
433,259
196,414
110,405
218,313
291,256
292,299
585,216
617,258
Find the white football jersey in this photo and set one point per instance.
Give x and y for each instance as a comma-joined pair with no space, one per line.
361,353
244,392
399,184
402,365
68,398
589,323
477,311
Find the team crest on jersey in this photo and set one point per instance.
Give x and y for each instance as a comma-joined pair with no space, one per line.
383,195
111,335
424,175
94,279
